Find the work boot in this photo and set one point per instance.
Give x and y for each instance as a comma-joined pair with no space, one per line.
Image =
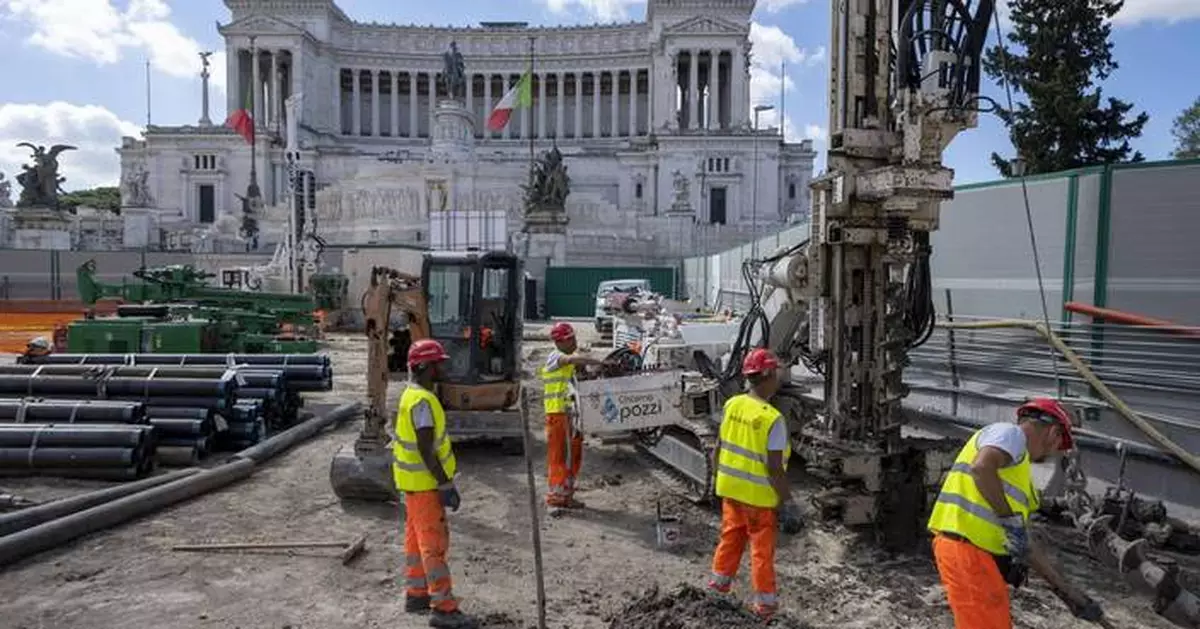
452,620
417,604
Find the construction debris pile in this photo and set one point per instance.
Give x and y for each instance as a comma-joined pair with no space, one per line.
688,607
115,417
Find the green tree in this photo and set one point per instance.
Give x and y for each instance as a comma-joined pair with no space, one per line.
1058,53
1187,133
103,198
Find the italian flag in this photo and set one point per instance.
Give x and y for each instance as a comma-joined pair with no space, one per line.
520,96
242,121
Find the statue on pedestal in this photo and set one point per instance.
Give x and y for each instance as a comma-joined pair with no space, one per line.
454,73
549,185
136,187
682,203
40,183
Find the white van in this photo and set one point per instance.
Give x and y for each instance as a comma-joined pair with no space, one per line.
607,287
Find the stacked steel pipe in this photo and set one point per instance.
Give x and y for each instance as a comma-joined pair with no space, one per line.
107,451
195,403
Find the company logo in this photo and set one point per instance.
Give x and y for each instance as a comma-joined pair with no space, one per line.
610,410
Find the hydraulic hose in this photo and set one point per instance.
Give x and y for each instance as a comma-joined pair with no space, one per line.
1085,371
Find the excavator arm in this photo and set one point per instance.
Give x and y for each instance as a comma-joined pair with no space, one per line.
388,288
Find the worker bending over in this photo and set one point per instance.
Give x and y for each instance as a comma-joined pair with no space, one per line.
424,468
751,478
980,520
37,347
564,444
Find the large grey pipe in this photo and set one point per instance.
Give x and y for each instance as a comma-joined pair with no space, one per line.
54,533
25,518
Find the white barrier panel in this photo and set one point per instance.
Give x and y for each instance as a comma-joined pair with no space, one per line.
485,230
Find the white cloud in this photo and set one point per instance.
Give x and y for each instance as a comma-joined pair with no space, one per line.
775,6
98,31
771,49
602,10
816,133
93,129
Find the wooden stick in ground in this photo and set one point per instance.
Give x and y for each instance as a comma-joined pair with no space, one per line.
533,511
354,550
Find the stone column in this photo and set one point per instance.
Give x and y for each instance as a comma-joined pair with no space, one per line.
375,76
337,101
596,131
395,103
276,89
433,97
504,87
414,129
714,90
738,98
471,94
578,130
614,129
356,102
235,96
541,122
693,89
633,107
560,96
527,121
487,105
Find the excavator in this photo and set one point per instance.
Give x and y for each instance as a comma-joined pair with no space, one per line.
469,301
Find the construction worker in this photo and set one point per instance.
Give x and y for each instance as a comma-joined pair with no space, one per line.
564,444
980,520
37,347
423,469
751,479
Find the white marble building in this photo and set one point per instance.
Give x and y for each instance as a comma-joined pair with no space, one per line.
633,107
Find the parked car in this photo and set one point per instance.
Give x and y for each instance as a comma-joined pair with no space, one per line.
604,290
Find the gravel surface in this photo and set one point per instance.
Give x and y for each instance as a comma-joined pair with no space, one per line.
603,567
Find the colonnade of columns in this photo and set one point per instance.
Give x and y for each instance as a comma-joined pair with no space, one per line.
271,79
566,105
712,89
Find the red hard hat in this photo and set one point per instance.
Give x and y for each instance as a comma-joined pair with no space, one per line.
426,351
1050,411
562,331
758,361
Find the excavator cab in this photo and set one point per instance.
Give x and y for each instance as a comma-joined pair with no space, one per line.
473,301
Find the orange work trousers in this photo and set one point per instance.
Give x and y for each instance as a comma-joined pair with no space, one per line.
426,541
740,523
560,474
975,589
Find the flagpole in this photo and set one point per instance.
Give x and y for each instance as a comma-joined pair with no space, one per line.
147,93
252,191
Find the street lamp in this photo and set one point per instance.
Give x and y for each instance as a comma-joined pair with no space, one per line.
758,109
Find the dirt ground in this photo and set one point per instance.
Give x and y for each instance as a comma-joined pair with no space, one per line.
598,562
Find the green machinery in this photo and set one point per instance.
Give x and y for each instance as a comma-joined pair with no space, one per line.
171,310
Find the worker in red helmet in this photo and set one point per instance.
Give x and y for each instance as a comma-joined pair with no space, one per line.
564,444
980,521
423,469
751,480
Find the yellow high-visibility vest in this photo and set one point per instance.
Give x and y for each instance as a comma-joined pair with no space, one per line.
962,510
556,395
408,470
742,465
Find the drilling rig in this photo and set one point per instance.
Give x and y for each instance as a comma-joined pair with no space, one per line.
849,302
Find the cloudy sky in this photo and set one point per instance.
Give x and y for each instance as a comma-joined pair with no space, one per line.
75,70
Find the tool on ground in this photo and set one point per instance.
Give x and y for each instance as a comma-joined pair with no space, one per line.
350,550
668,527
481,384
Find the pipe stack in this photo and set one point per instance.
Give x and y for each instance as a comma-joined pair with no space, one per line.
104,451
196,403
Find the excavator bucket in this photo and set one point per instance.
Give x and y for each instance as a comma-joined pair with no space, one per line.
362,475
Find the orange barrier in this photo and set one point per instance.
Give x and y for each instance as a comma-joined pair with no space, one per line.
1129,318
24,319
